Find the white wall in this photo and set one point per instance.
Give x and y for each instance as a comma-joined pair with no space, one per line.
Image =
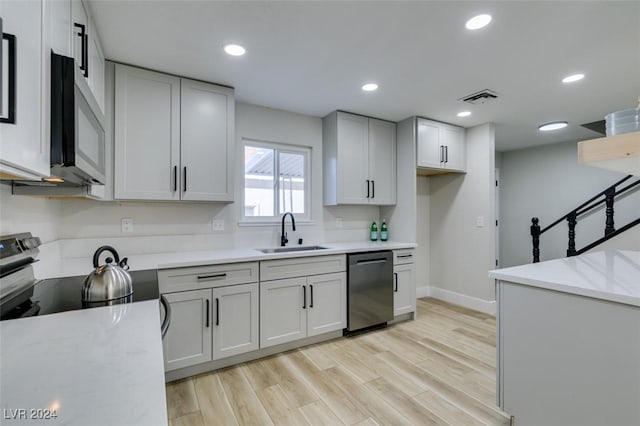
547,182
85,224
40,216
423,252
462,253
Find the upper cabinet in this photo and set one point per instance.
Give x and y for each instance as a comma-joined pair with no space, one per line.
87,50
24,152
359,160
440,147
173,138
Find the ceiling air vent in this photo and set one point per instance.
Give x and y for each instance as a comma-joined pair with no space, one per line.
481,97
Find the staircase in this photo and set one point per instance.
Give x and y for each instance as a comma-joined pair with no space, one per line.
606,198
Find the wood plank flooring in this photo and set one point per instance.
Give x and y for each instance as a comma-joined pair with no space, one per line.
436,370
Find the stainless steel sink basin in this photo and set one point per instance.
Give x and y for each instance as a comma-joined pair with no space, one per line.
292,248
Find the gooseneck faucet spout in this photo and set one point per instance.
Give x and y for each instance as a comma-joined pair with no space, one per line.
283,235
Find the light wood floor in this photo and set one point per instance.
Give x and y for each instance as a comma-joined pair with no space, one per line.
438,369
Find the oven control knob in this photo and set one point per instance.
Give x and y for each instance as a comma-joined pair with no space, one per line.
30,243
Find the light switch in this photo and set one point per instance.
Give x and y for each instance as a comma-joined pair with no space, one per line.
480,221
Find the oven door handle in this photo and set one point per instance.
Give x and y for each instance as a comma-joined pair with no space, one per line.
167,316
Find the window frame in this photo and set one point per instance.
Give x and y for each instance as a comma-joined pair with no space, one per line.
278,147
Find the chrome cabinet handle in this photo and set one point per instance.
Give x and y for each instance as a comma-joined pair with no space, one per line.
167,316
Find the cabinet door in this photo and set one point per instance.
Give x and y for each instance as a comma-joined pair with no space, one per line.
430,148
453,139
235,320
24,151
79,34
147,135
207,132
327,303
404,289
352,158
382,162
283,311
188,340
96,66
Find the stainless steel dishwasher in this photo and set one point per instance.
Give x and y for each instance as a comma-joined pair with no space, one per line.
369,289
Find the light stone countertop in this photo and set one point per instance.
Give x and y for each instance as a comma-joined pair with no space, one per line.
612,275
100,366
70,267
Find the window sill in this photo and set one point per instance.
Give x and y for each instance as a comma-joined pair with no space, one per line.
277,222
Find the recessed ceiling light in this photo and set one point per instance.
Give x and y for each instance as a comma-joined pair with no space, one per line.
234,50
464,113
573,78
370,87
53,179
478,22
552,126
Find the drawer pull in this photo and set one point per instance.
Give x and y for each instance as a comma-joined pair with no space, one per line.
405,256
211,277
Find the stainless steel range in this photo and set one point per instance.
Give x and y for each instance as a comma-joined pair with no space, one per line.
22,295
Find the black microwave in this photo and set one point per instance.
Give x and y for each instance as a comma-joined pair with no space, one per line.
77,126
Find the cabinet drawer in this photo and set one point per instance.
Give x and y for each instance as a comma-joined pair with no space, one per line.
182,279
302,266
401,257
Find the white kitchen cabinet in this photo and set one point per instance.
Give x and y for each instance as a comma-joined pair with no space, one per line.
404,285
359,160
181,130
206,141
24,152
440,147
327,309
86,49
235,325
146,135
188,340
214,312
283,315
302,297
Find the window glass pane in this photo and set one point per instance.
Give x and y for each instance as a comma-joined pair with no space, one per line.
291,167
258,181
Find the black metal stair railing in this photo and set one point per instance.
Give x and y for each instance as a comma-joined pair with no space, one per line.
606,197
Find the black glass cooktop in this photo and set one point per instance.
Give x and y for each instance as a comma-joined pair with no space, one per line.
65,294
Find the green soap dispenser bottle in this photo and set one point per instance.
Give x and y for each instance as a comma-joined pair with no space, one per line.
384,232
374,231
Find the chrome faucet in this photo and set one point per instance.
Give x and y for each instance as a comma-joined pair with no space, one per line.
283,235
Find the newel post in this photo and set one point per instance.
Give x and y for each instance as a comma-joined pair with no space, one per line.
572,221
608,197
535,239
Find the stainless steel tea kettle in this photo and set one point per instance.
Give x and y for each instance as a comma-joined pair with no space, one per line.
107,282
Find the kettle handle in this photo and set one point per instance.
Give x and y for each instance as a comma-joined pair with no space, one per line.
96,256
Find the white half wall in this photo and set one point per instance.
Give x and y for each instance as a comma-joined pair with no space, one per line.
547,182
461,252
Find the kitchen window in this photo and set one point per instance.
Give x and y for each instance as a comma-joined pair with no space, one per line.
276,181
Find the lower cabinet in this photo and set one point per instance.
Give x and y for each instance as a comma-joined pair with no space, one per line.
295,308
404,282
210,324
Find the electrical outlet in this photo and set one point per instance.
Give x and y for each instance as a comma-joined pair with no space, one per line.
480,221
338,222
126,225
217,225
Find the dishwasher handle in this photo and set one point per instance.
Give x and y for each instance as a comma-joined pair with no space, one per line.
371,261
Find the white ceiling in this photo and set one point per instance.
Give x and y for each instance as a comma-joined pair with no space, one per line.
312,57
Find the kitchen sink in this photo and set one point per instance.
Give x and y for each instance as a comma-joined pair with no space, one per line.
292,248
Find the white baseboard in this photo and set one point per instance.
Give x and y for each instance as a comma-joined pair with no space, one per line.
486,306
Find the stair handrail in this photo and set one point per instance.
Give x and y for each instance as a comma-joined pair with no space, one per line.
609,194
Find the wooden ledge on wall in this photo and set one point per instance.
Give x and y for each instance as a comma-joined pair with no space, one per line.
620,153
